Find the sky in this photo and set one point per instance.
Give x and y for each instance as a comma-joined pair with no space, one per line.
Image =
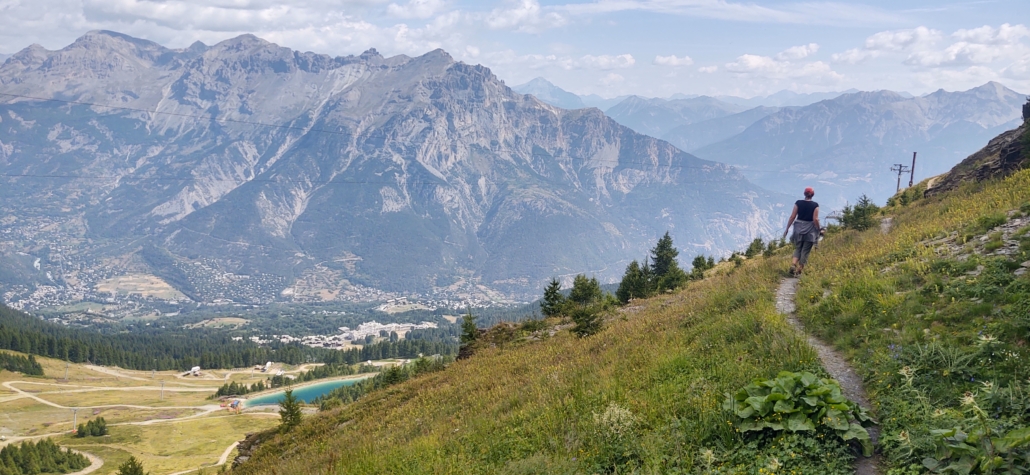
653,48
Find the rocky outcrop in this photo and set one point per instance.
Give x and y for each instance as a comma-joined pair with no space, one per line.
1002,156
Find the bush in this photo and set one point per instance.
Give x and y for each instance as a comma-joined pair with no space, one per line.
799,402
860,216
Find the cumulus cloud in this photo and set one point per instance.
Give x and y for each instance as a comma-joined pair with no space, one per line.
784,65
416,9
525,16
672,60
611,79
708,69
923,47
798,52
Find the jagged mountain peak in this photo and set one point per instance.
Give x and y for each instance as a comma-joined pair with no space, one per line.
395,173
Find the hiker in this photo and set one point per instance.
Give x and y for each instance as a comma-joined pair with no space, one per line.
805,219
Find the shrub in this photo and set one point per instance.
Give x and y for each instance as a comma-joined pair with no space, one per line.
799,402
860,216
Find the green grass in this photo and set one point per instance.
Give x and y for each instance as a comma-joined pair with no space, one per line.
644,394
923,327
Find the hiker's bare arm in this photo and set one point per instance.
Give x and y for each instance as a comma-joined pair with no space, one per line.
793,215
815,218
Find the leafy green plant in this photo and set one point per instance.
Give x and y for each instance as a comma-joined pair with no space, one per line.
799,402
978,445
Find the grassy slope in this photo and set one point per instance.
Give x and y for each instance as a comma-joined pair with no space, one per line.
896,301
529,407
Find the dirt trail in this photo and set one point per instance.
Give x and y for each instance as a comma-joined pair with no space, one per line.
837,366
94,463
221,460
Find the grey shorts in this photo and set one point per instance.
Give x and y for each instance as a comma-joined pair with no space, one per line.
802,249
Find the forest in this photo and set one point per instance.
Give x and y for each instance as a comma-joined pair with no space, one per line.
30,458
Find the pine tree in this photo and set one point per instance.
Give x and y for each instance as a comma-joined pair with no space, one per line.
554,301
469,330
666,270
131,467
634,284
585,291
289,412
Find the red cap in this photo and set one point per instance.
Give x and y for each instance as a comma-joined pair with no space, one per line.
809,190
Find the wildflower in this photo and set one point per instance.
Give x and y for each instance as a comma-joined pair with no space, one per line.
986,340
968,399
908,373
904,438
774,464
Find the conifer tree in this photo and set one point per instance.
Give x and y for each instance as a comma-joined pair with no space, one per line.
469,330
666,270
585,291
554,301
131,467
634,284
289,412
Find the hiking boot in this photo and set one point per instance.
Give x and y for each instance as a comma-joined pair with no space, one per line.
793,270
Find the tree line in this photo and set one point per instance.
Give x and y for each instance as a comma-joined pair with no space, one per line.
22,364
45,456
171,350
660,272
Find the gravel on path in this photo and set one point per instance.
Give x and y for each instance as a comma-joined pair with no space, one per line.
836,365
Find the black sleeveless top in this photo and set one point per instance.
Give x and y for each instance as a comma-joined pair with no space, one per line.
806,209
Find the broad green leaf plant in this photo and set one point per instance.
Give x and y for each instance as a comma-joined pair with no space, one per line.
800,402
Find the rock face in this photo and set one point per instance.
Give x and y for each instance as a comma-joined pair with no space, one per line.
845,146
1002,156
410,174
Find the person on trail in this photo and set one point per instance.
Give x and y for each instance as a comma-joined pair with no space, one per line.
805,219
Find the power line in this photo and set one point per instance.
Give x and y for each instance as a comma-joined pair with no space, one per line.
325,131
900,169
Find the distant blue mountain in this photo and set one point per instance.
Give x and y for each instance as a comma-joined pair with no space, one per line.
551,94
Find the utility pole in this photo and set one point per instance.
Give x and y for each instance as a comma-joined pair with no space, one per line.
912,171
162,390
900,169
66,364
75,418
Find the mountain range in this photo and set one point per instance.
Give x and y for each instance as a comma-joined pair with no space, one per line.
266,173
846,146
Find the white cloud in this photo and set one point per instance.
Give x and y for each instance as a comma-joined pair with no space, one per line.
606,61
525,16
708,69
798,52
672,60
416,9
921,47
611,79
986,35
773,68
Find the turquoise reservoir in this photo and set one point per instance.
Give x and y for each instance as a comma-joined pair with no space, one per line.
306,393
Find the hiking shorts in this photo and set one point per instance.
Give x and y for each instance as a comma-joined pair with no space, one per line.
802,249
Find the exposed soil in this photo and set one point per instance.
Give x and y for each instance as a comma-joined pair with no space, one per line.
836,365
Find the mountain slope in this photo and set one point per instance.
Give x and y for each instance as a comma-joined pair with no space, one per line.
846,146
929,320
545,91
255,165
656,117
699,134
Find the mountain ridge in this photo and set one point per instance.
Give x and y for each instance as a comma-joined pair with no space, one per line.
270,167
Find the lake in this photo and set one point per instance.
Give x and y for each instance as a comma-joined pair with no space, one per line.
305,393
